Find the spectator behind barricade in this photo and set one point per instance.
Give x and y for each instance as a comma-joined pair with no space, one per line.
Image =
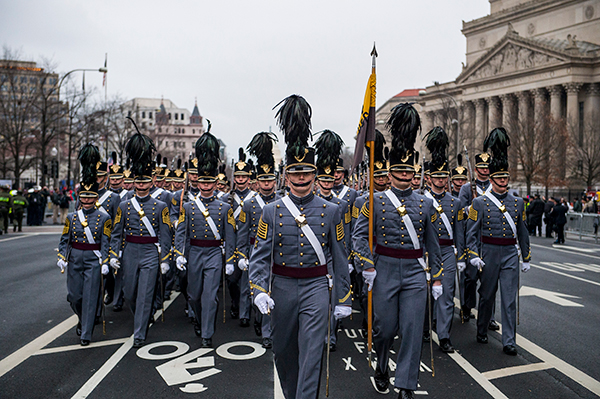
64,205
590,206
55,198
577,205
548,218
535,212
558,213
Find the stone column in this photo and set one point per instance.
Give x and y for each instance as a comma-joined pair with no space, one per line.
573,107
555,103
524,110
508,110
592,105
494,115
539,97
480,132
467,127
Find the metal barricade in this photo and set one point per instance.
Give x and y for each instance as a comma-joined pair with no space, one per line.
583,225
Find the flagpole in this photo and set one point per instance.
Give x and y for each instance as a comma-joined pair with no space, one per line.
371,145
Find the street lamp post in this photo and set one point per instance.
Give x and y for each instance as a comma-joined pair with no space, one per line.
59,86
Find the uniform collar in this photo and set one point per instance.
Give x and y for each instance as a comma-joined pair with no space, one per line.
483,184
438,196
499,196
401,193
268,197
144,199
242,194
340,187
302,200
88,211
194,190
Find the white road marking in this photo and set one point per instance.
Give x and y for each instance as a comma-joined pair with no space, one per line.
16,238
77,347
515,370
566,275
106,368
554,297
588,250
562,250
277,390
20,355
348,363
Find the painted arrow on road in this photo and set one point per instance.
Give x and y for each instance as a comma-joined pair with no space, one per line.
554,297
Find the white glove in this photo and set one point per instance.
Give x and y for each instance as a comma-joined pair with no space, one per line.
369,277
525,267
478,263
229,269
180,262
263,302
104,269
461,266
243,264
62,264
436,291
164,268
342,311
350,268
115,264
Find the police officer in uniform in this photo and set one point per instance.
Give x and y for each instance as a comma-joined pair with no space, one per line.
404,226
289,270
141,238
261,147
5,206
206,224
18,207
83,248
450,229
497,236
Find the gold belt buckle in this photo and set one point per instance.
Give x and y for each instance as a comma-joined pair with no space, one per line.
205,213
141,213
401,210
502,208
84,223
301,220
439,209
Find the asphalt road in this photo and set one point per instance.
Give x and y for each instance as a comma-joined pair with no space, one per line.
40,356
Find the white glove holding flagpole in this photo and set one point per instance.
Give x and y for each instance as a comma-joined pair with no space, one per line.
62,264
264,303
180,262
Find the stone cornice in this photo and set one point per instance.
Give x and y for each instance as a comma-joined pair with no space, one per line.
511,14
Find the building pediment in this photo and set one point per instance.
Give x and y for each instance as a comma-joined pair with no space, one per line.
513,54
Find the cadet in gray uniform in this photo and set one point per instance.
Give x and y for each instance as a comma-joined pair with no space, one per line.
241,175
397,274
142,233
496,236
450,230
83,248
289,268
261,147
206,224
115,179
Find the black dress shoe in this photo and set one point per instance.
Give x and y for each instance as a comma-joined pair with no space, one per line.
117,308
78,330
197,329
257,329
206,343
84,342
234,313
332,347
510,350
482,339
267,343
244,323
446,345
466,314
426,336
493,326
138,343
406,394
108,300
382,381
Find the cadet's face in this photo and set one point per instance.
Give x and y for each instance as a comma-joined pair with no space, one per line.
220,186
415,182
160,183
116,183
458,183
402,179
326,185
207,188
142,188
101,180
266,186
193,179
499,184
482,173
87,202
338,176
438,184
242,182
127,186
380,182
301,183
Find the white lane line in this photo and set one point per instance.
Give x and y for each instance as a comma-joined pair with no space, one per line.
566,275
110,364
588,250
23,236
567,252
77,347
474,373
278,391
20,355
546,357
508,371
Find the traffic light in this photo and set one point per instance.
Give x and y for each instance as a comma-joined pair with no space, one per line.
44,169
54,169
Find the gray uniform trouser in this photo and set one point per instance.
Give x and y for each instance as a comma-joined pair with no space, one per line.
444,305
204,268
299,321
399,301
501,265
118,294
245,300
83,287
140,268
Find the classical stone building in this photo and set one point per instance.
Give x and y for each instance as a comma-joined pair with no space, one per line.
527,62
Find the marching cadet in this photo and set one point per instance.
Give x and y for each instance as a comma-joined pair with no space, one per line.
18,207
497,236
397,275
415,183
84,245
289,272
328,149
340,190
450,230
127,180
205,225
242,171
458,176
222,182
108,201
470,275
261,147
159,172
141,238
115,178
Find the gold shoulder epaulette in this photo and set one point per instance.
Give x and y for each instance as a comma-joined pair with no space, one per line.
339,231
262,230
472,214
365,210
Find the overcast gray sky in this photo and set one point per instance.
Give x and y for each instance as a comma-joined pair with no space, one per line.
240,58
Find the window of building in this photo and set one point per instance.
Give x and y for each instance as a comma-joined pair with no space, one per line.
160,129
193,131
143,114
176,116
150,114
32,80
182,117
23,79
183,130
